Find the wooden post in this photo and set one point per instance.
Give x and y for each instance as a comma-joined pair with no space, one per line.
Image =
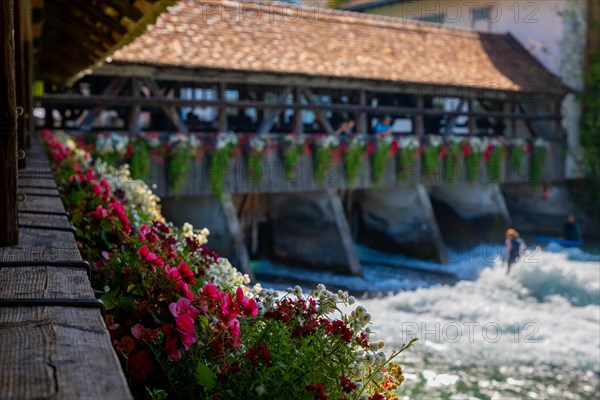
298,114
419,122
28,120
362,116
134,112
9,226
20,77
513,122
222,125
558,122
471,118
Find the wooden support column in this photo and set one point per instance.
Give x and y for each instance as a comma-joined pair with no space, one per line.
471,118
134,112
319,114
9,227
419,120
28,81
558,131
298,114
361,124
222,123
113,89
513,122
20,93
170,111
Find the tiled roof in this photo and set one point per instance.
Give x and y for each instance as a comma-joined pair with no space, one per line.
278,38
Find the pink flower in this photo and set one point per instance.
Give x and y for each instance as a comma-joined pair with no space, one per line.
211,291
234,330
97,189
172,349
140,332
100,213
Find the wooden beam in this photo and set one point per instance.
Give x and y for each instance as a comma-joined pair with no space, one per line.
528,123
222,116
95,15
319,114
298,120
269,120
73,22
9,216
169,110
134,112
158,102
419,121
113,88
264,78
123,7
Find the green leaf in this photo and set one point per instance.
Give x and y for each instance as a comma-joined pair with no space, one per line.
109,301
205,377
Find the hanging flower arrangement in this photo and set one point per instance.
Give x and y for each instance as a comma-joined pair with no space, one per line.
409,151
255,148
143,148
226,146
111,147
494,155
384,149
433,152
539,153
327,155
292,147
474,149
455,152
517,149
355,150
182,149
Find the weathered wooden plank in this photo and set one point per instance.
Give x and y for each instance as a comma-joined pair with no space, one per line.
44,283
57,353
44,236
59,221
33,203
53,251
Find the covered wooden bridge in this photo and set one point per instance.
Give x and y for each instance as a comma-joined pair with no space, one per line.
269,68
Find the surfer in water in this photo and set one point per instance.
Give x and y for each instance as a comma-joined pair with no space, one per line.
515,247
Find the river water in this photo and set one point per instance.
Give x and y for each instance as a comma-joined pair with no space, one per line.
534,334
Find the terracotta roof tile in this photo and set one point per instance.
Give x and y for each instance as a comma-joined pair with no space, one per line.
278,38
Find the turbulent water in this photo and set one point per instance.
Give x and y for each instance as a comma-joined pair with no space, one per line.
534,334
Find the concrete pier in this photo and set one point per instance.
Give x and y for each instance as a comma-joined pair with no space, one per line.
220,217
399,220
310,230
468,214
540,210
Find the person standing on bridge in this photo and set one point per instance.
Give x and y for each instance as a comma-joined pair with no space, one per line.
515,247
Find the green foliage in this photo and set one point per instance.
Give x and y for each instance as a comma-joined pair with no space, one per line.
353,155
381,154
495,163
430,160
453,161
406,163
538,158
324,161
219,163
178,165
140,162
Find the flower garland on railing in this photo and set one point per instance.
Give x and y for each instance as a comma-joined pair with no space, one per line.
182,149
255,148
433,152
355,150
292,147
382,150
456,148
226,146
495,153
409,151
144,148
539,152
517,149
327,152
474,151
185,325
111,147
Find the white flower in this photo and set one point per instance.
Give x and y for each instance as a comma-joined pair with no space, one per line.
541,143
409,143
435,141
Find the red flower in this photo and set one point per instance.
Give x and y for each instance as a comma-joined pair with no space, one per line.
140,365
347,385
319,390
377,396
249,305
